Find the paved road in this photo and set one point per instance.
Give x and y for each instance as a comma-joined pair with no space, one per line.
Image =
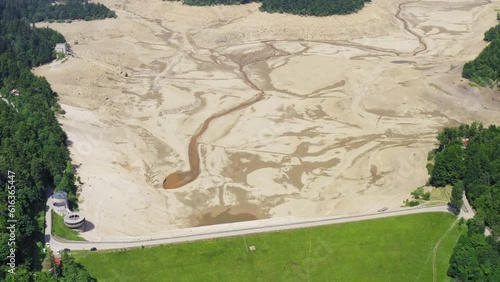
467,211
226,230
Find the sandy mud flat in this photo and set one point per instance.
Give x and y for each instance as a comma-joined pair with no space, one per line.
351,106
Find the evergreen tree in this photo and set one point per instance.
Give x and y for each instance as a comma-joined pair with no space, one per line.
448,167
475,257
485,69
32,144
457,194
297,7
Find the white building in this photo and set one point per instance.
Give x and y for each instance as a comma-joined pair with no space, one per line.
75,220
62,48
60,203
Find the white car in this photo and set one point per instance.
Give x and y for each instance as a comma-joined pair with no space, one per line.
58,252
47,245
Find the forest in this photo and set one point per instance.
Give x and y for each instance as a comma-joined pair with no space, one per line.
485,68
314,7
468,158
62,10
475,257
33,151
297,7
216,2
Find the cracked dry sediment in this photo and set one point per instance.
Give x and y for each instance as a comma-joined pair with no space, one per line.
252,115
179,179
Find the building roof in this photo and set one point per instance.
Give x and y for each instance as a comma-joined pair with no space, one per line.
465,142
57,261
73,217
61,47
60,195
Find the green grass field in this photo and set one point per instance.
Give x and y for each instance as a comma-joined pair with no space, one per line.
389,249
62,231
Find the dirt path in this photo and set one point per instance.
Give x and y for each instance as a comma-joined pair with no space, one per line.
436,248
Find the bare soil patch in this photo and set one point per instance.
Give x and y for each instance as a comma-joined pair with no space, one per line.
351,106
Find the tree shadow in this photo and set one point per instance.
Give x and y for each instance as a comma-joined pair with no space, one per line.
76,167
88,226
452,209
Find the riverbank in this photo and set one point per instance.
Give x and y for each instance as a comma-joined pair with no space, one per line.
353,104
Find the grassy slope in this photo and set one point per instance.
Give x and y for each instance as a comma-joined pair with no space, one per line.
445,250
60,230
390,249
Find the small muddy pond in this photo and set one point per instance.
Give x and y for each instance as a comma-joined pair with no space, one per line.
224,217
403,62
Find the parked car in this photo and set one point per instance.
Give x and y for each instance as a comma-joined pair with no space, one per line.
58,252
93,249
66,250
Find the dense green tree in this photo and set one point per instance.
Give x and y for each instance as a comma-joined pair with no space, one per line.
297,7
45,10
73,271
475,226
33,152
485,69
492,33
313,7
448,167
216,2
475,257
21,274
456,195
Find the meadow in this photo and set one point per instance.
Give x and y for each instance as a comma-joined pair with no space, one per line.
389,249
62,231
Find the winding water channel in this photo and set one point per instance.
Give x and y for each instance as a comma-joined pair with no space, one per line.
181,178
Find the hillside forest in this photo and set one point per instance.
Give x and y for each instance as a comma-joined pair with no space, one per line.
485,68
33,152
468,158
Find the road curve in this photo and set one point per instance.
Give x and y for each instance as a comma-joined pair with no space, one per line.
229,230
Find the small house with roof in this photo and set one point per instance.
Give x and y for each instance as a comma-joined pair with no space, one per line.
57,261
465,142
62,48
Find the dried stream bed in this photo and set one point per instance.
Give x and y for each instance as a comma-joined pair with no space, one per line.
250,115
